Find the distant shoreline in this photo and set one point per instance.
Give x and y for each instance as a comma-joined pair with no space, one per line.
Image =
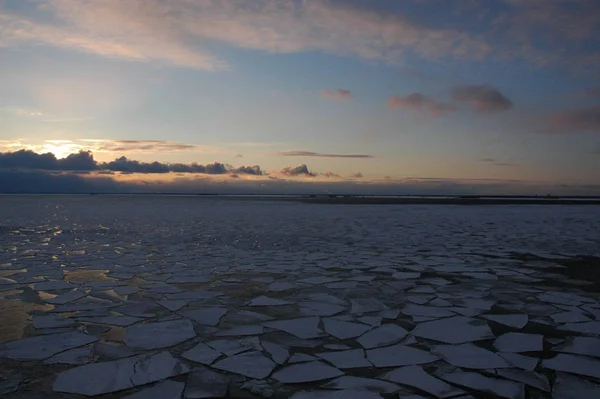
333,199
450,201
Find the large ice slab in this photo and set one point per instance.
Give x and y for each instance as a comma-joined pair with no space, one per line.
344,394
304,327
568,386
344,329
454,330
206,317
530,378
266,301
162,390
346,359
160,334
574,364
201,353
470,356
495,386
360,384
365,305
278,353
44,346
205,383
387,334
306,372
511,320
415,376
100,378
399,355
519,342
580,346
251,364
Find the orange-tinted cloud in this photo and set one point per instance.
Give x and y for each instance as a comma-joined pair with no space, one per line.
421,103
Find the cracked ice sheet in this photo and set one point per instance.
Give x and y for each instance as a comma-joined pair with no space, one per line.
44,346
206,317
519,342
361,384
201,353
512,320
580,346
399,355
502,388
574,364
106,377
415,376
164,389
306,372
159,334
454,330
568,386
470,356
266,301
343,329
344,394
387,334
251,364
354,358
304,327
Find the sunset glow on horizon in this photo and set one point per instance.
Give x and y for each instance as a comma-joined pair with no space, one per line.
477,96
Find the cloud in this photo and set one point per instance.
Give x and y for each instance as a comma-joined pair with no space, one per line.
84,161
175,31
142,146
498,162
27,159
422,103
331,175
23,112
340,94
248,170
316,154
357,176
586,120
301,170
482,98
180,32
42,116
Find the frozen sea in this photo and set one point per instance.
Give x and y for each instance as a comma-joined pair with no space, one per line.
198,297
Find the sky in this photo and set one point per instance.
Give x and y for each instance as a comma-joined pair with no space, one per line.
269,96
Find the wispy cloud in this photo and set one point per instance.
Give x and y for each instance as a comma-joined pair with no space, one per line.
340,94
172,32
586,120
482,98
497,162
175,31
320,155
42,116
421,103
357,176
